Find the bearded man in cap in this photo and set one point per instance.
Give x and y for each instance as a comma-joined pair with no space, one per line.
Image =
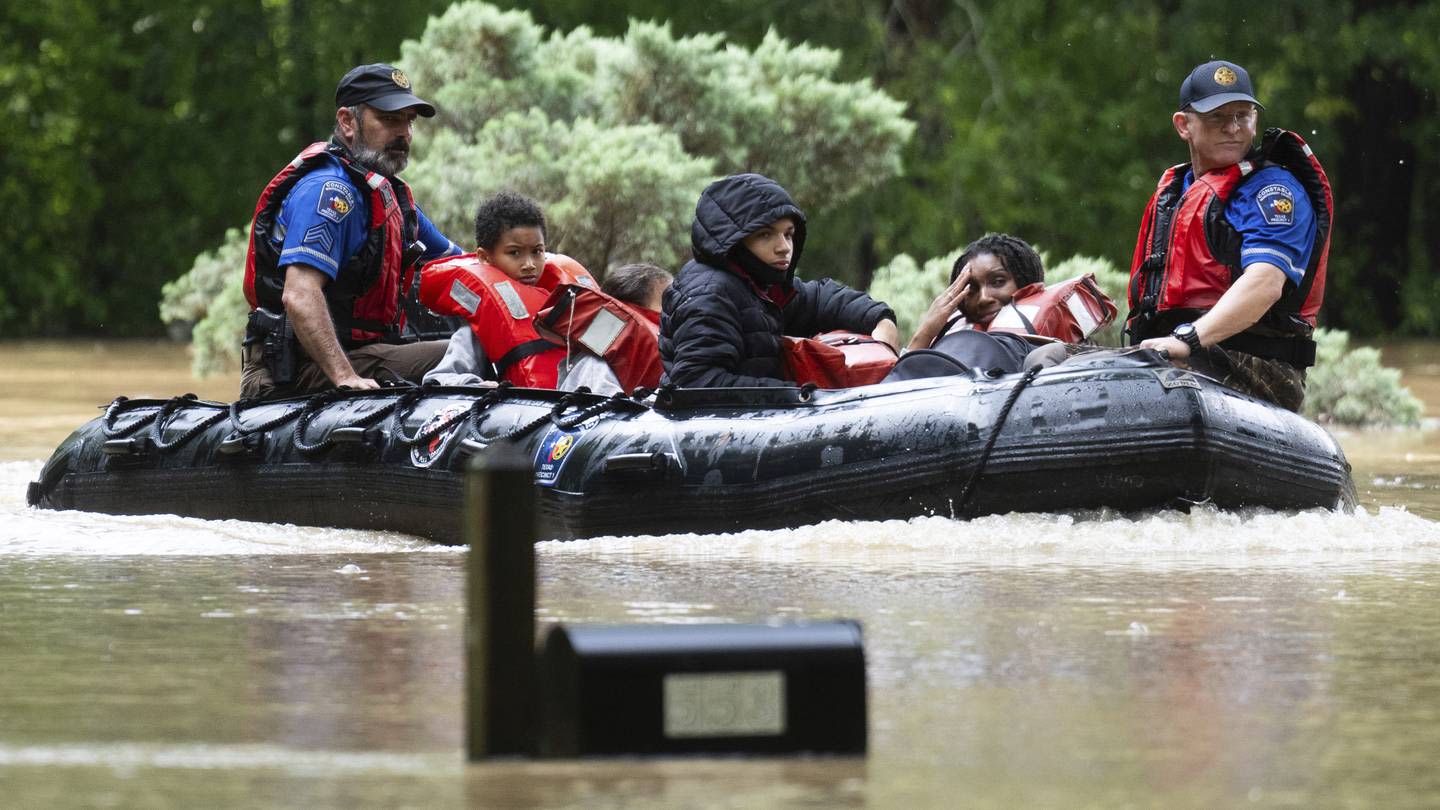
334,248
1229,269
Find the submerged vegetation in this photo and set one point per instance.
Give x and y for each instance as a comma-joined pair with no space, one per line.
1350,387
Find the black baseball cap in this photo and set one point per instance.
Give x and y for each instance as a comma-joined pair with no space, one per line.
1215,83
384,87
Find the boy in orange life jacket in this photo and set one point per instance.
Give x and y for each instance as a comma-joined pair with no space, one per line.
641,285
510,238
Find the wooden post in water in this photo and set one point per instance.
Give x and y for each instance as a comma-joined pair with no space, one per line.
500,604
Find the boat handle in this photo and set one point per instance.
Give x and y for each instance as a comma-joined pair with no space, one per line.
131,446
354,435
656,463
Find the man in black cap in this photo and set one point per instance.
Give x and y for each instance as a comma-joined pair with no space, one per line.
1229,270
334,247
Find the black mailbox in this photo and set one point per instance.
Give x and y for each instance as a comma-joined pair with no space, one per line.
692,689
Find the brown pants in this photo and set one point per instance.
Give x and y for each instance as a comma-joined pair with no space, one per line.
385,362
1272,380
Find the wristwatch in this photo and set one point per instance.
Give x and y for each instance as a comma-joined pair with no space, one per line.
1185,333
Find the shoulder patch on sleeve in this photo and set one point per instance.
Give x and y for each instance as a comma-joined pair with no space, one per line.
1277,204
336,201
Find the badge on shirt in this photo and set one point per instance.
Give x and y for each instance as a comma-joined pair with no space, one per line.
336,201
1277,204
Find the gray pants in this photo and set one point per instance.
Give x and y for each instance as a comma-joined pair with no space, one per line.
385,362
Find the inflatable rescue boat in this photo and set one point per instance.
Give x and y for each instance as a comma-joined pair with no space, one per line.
1124,430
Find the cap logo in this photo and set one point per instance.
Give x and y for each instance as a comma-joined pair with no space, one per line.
1224,76
403,81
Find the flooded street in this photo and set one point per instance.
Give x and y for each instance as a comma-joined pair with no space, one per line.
1198,659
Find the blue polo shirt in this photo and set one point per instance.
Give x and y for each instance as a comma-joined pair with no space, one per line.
1275,221
324,221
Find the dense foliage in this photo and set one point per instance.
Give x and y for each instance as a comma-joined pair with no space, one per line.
615,137
139,132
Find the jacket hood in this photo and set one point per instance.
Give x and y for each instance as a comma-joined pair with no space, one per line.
734,207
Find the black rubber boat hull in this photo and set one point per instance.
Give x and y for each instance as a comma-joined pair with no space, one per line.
1127,432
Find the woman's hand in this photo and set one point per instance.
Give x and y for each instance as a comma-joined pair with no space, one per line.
942,309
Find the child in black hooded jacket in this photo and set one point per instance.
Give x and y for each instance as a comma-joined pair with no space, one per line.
726,314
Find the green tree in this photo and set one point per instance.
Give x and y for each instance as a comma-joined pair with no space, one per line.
137,131
615,137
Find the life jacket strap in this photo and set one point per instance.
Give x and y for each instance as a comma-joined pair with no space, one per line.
529,348
1297,351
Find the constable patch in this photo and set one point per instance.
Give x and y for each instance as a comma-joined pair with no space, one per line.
336,201
1277,204
1225,77
400,79
320,235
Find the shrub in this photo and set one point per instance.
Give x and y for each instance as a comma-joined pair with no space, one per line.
614,137
1352,388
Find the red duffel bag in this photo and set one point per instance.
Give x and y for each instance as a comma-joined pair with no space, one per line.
837,359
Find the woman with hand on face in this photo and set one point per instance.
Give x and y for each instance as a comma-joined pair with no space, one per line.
984,280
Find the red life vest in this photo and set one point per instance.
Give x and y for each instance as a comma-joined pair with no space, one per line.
836,359
364,298
625,335
501,311
1187,254
1070,311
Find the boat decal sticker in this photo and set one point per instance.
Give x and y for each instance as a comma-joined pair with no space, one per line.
1171,378
425,453
555,449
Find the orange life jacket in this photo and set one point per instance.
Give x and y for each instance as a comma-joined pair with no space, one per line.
836,359
1070,311
501,311
625,335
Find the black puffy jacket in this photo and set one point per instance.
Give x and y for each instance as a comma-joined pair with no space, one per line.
717,329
